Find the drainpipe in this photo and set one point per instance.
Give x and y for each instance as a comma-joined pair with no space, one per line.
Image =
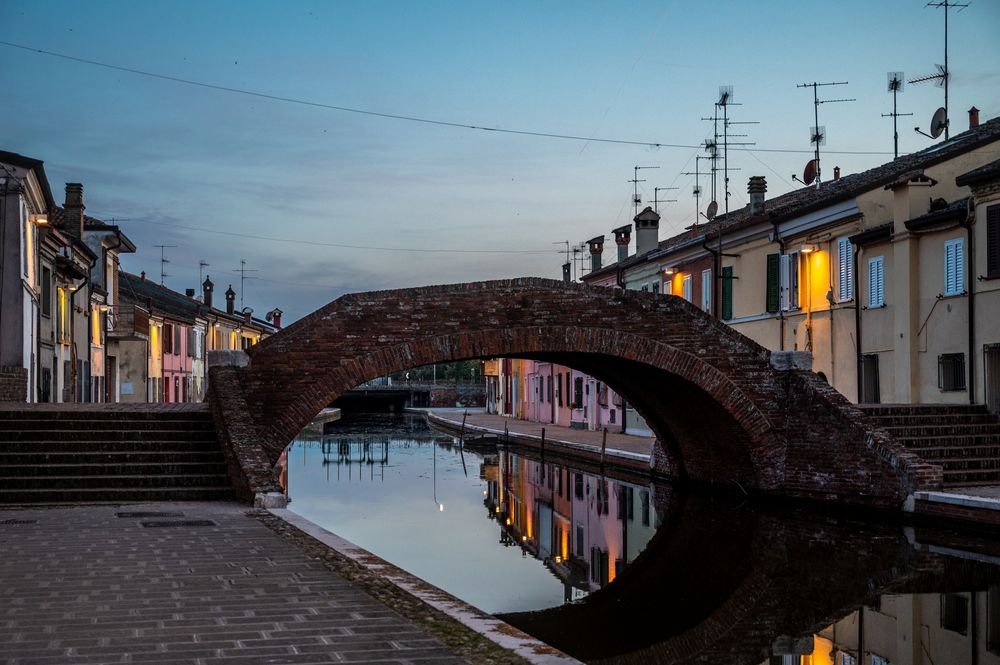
970,219
716,270
620,279
857,323
781,312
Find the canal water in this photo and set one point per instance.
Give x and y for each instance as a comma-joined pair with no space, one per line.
627,570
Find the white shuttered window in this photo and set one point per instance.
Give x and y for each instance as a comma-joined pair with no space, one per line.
954,267
845,270
706,290
876,282
686,287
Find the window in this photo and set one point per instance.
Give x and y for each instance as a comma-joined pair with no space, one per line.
95,326
579,540
548,387
655,287
879,660
706,290
46,292
177,340
876,282
686,288
62,319
951,371
772,292
955,612
993,241
727,293
845,270
168,338
789,271
578,392
954,267
668,286
611,416
559,388
578,489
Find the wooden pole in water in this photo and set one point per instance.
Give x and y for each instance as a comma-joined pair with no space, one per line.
461,437
604,446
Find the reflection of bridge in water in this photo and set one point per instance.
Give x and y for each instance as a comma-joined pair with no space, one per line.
364,452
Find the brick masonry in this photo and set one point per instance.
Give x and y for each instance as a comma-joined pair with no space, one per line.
13,384
723,414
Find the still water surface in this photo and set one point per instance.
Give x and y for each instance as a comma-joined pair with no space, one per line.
633,571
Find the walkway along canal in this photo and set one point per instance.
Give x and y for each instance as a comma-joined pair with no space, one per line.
624,569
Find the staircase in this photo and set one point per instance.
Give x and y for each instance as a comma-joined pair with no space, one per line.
964,439
64,453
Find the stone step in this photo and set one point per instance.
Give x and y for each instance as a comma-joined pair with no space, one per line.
221,492
935,453
971,478
193,424
958,429
112,457
922,409
127,445
107,434
131,482
918,442
144,469
930,420
105,414
969,463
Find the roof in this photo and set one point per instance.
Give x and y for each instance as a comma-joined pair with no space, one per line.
984,173
808,199
34,164
58,217
161,300
948,213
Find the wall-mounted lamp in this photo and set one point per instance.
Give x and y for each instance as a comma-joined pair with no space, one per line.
808,248
40,220
669,271
103,308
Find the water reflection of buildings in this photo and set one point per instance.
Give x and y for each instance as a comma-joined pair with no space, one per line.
918,629
585,528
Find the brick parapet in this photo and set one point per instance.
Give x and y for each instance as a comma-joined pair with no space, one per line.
249,467
13,384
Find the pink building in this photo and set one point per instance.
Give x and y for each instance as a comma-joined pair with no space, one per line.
177,361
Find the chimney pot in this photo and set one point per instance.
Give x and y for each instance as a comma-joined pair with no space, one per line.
142,275
596,246
973,117
189,293
647,231
836,173
207,290
622,236
756,187
230,300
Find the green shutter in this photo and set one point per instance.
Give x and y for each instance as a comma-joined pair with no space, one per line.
727,293
773,294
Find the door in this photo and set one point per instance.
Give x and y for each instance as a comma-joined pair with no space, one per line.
991,374
869,379
111,386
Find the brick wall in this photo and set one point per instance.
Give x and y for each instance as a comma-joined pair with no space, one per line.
13,384
709,393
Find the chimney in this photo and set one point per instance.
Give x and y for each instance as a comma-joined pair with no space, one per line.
647,231
142,275
836,173
230,300
207,286
622,236
596,246
274,317
973,117
756,188
73,210
247,315
189,293
566,272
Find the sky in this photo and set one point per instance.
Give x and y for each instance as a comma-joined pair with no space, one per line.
319,201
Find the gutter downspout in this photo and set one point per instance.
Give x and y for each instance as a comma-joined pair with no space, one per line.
857,324
717,272
781,312
970,219
620,278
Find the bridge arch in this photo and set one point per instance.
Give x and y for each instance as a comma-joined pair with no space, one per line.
710,394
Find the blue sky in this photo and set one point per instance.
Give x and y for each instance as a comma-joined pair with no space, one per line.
164,156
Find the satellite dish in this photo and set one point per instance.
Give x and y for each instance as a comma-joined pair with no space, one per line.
809,172
713,209
938,122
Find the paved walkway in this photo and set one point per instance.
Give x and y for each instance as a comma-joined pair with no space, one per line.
477,420
82,585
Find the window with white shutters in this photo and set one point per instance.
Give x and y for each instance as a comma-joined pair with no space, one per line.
876,282
954,267
686,288
706,290
789,281
845,270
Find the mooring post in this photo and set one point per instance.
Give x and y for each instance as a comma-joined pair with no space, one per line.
461,436
604,446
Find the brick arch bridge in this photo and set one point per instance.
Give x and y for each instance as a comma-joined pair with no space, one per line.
721,412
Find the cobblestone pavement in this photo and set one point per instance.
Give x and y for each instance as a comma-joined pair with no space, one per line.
616,441
81,585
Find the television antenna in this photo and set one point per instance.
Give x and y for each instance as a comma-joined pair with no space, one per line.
895,85
724,102
243,270
657,200
943,73
696,190
164,261
202,264
818,133
636,199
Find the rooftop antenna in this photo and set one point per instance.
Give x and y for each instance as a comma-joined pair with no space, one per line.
725,101
696,190
817,133
895,86
636,199
163,261
943,73
657,200
202,264
242,270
